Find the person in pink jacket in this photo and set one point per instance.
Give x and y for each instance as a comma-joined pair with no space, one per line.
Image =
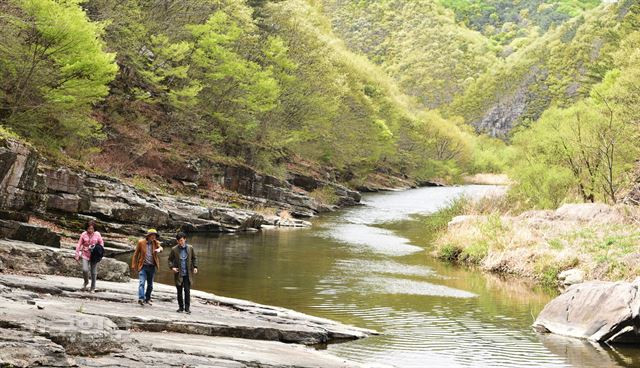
88,239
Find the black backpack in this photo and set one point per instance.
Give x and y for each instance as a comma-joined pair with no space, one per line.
97,252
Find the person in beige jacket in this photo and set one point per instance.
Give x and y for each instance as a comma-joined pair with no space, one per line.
146,261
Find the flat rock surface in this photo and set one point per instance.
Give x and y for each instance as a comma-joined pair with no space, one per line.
221,332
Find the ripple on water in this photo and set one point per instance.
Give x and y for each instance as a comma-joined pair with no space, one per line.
391,285
386,267
371,239
443,339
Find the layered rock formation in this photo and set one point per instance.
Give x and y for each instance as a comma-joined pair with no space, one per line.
69,197
47,321
17,256
22,187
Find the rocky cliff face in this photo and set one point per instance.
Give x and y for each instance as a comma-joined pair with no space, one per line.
512,108
291,194
61,194
22,187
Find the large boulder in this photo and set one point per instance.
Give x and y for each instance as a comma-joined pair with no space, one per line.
33,258
598,311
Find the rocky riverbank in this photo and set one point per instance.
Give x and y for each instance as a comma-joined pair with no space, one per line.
48,321
45,320
212,197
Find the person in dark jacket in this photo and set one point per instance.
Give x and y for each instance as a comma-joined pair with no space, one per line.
184,264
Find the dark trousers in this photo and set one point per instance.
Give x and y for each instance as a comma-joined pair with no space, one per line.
184,302
146,276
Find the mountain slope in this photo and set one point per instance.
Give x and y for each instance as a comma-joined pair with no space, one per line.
418,43
557,68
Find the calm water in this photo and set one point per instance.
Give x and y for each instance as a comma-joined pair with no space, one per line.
350,268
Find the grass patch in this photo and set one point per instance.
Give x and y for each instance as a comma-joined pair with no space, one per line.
6,133
475,253
437,222
325,195
540,244
143,184
450,252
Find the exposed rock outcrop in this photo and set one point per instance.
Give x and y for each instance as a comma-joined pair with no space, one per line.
598,311
22,187
513,107
56,325
26,232
32,258
64,196
571,277
25,349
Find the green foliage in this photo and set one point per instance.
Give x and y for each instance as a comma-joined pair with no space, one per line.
449,253
53,68
399,35
475,253
261,87
325,195
540,186
555,69
438,221
6,133
504,20
260,82
588,148
491,155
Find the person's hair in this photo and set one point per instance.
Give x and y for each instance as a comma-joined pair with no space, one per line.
91,223
181,235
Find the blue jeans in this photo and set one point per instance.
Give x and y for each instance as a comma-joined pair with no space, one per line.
146,276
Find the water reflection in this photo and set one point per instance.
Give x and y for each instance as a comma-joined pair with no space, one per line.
431,314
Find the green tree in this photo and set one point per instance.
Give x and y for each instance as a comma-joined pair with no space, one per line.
589,140
53,68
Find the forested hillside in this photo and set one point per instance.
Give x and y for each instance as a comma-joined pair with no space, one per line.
557,68
494,63
419,43
143,88
122,83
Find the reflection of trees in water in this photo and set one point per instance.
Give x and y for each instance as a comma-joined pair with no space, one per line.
271,267
583,353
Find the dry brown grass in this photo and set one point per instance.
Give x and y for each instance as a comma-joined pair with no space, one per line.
603,241
487,179
266,211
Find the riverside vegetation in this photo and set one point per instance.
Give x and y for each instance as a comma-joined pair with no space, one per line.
230,115
170,96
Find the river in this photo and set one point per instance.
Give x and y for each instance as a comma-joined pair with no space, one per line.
359,266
